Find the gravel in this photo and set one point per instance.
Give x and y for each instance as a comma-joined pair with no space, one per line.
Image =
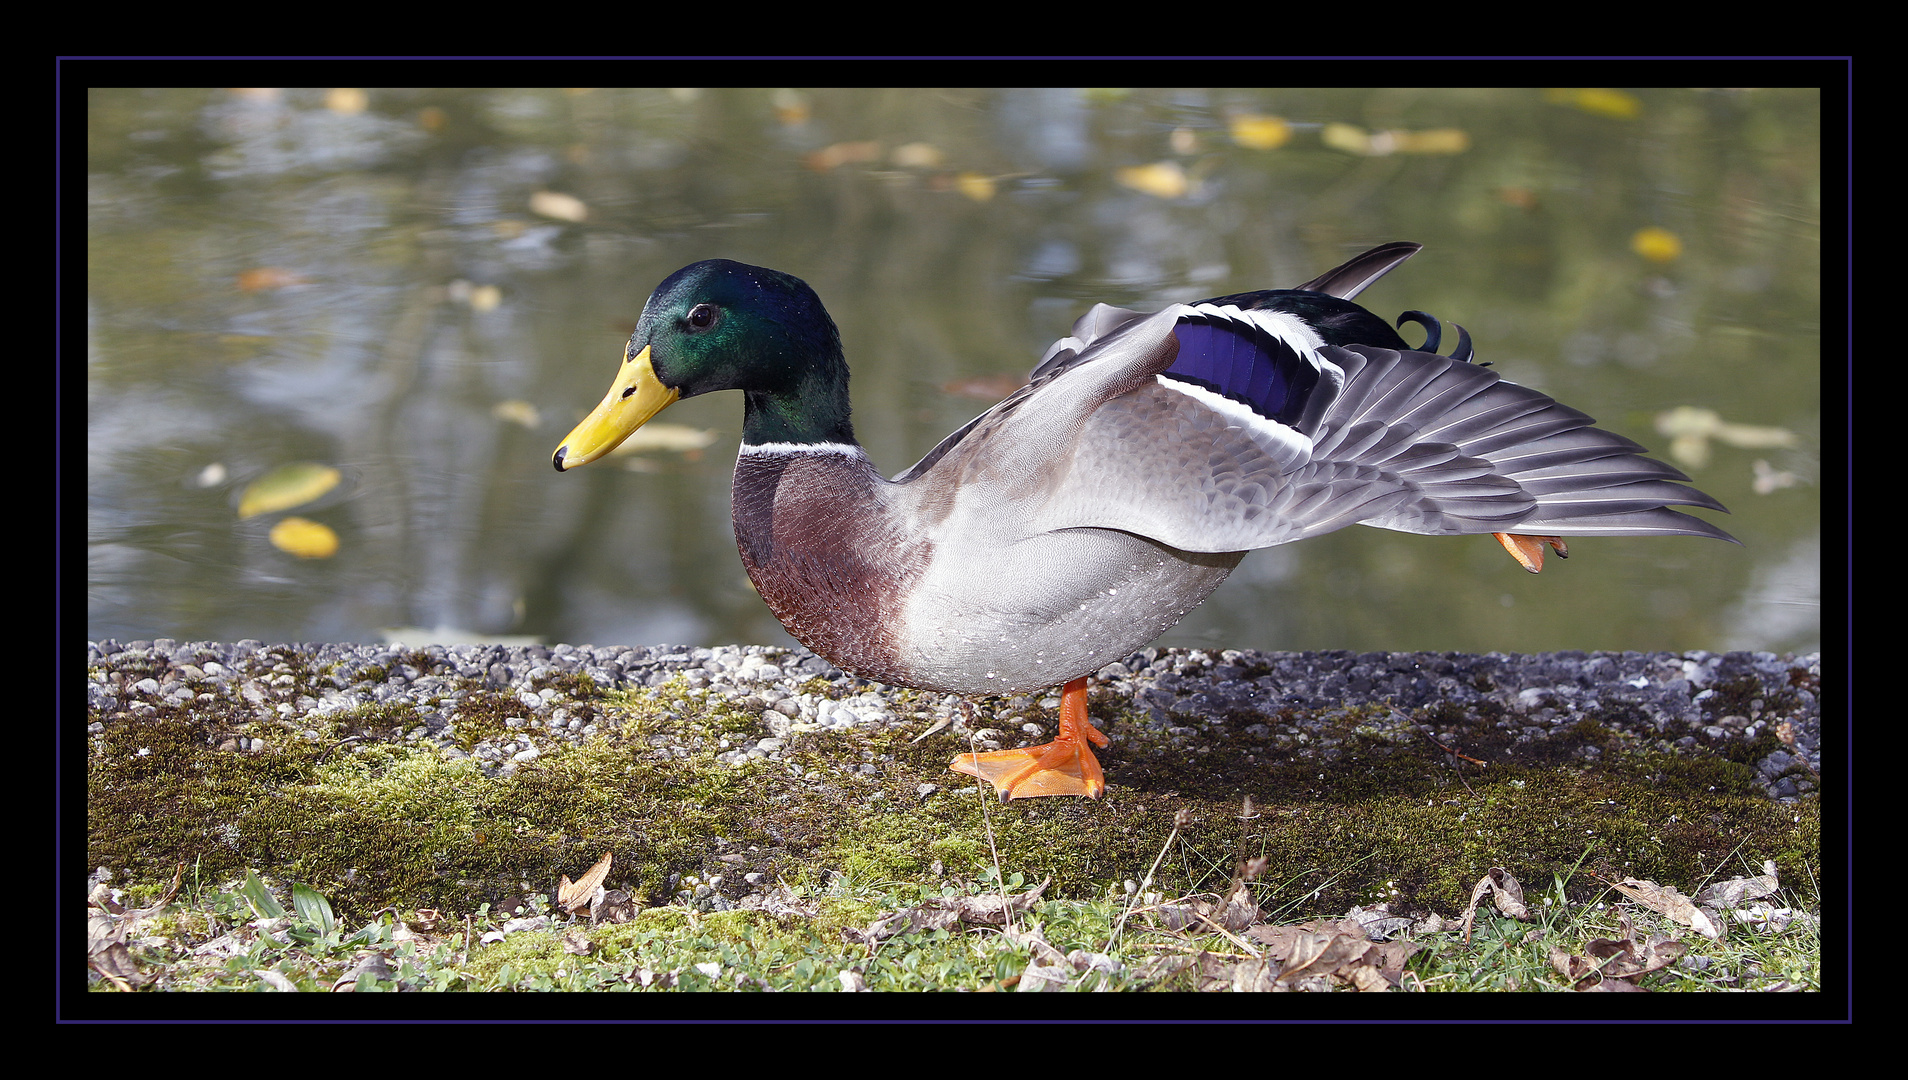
1696,701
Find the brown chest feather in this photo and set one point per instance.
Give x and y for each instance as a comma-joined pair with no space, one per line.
814,533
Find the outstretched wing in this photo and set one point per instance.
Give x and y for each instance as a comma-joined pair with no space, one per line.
1254,434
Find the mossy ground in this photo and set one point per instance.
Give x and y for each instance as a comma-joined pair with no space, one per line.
378,819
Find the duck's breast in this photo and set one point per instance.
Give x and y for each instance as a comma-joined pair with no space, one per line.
820,542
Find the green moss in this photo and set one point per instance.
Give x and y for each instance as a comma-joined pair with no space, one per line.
1349,804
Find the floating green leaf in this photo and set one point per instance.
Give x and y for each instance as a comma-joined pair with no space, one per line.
287,486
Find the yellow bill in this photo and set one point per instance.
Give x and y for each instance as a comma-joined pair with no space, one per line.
633,398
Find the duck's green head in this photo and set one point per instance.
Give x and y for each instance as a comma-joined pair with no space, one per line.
721,325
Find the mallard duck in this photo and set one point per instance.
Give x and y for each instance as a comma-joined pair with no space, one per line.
1090,510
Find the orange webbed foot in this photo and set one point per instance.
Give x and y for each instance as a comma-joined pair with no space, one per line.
1065,766
1529,550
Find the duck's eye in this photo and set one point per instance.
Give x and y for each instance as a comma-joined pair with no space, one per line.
702,316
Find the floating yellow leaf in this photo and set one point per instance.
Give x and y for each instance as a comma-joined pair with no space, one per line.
1689,430
1522,198
555,204
791,107
677,438
521,413
1350,138
348,100
917,155
304,538
1256,132
1657,245
1598,100
287,486
479,297
1356,140
263,278
1769,478
1162,178
843,153
1430,141
975,186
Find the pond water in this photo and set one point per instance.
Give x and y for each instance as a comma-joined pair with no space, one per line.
412,295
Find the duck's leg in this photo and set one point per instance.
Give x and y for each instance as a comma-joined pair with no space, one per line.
1529,550
1065,766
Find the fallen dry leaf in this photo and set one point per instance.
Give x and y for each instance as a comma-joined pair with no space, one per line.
372,964
1738,890
1209,971
1665,900
107,928
1506,893
574,896
1335,949
946,913
1614,964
